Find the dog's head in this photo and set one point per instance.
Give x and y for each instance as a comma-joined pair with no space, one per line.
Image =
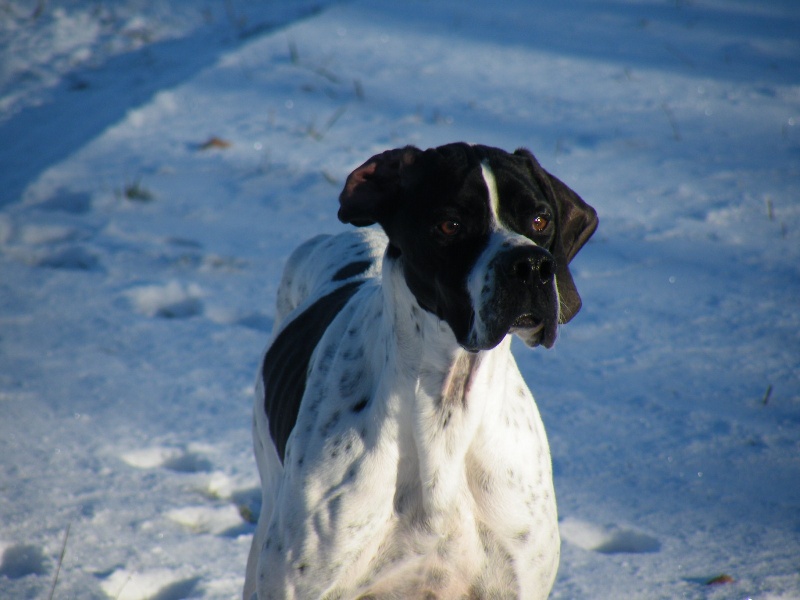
485,237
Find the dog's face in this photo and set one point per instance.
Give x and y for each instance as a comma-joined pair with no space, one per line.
485,237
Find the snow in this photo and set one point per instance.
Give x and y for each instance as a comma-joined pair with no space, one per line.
162,159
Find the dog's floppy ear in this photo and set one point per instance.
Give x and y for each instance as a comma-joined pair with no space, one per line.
577,221
371,190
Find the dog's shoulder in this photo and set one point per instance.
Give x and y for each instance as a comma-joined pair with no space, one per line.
319,279
285,364
323,264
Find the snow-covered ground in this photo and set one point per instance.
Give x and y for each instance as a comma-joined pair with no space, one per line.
160,160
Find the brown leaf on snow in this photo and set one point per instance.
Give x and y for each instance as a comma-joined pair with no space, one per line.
215,143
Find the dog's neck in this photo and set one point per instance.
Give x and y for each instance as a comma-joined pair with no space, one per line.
423,344
435,395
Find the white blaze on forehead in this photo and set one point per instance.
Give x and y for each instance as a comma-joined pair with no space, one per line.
482,281
494,197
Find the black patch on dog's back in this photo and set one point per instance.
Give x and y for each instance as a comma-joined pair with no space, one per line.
286,362
351,270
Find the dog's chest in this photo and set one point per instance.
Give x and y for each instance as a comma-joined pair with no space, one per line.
434,481
462,559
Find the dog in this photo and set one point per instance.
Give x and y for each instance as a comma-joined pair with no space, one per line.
400,451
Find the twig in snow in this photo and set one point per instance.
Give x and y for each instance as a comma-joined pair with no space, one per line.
320,70
318,134
676,134
294,56
326,74
359,89
767,395
39,10
60,561
137,192
720,580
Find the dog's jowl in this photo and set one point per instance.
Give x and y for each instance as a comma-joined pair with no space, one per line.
401,453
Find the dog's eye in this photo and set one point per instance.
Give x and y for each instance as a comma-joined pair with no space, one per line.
540,223
449,228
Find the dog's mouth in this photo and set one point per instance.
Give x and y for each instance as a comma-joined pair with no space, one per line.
527,321
534,331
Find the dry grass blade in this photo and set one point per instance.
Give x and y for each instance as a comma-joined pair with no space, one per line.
60,562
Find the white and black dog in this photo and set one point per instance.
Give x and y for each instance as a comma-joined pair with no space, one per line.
401,454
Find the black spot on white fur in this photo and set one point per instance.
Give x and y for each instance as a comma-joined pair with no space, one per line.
349,383
352,270
360,405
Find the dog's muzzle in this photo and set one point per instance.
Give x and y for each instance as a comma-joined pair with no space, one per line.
518,296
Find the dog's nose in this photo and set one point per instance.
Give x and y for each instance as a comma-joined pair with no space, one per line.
529,265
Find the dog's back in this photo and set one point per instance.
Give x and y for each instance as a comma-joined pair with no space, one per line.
323,264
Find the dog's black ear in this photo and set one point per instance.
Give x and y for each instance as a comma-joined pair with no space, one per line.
371,191
577,221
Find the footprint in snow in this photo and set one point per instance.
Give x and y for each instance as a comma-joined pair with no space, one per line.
232,512
20,560
49,246
258,321
160,584
607,540
76,203
72,258
224,521
172,300
180,460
